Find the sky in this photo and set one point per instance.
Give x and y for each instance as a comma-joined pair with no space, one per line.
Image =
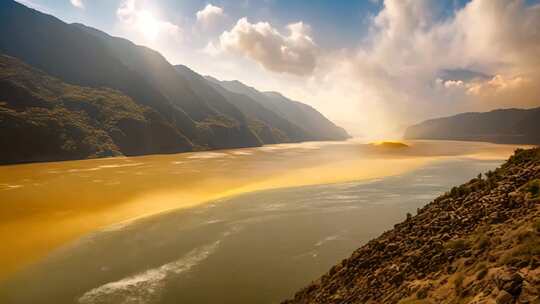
372,66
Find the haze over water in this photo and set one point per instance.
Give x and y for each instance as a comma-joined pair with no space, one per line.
49,204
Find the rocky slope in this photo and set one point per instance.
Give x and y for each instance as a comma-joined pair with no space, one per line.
478,243
506,126
45,119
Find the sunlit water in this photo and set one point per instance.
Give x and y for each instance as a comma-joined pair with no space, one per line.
256,247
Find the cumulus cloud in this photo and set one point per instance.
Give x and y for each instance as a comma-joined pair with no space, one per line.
212,49
210,16
497,85
395,71
77,3
293,52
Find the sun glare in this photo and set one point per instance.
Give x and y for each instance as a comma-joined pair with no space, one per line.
148,25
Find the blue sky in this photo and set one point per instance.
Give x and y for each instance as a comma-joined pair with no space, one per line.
373,66
339,23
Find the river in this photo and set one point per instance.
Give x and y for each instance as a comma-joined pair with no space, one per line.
234,226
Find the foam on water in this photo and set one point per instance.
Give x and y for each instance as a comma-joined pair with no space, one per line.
207,155
146,287
241,153
9,186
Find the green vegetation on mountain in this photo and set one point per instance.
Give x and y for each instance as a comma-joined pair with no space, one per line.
189,104
478,243
87,57
508,126
45,119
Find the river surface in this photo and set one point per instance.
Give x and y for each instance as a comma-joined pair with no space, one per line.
236,226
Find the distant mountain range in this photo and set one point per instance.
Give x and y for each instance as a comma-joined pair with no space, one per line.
508,126
201,114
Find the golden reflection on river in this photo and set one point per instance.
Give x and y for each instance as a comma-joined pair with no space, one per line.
44,205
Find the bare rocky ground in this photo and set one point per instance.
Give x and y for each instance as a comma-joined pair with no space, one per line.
478,243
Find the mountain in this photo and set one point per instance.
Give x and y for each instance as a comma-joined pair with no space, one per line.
302,115
270,127
478,243
45,119
209,116
305,116
87,57
508,126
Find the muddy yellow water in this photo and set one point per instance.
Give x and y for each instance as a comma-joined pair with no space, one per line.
45,205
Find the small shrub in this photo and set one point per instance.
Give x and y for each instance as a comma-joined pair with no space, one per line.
481,274
482,242
459,244
422,293
458,284
527,250
536,226
533,189
481,266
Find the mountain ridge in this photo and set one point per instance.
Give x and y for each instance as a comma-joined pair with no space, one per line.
298,113
507,126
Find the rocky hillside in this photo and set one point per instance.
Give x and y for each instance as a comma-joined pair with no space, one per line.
45,119
478,243
505,126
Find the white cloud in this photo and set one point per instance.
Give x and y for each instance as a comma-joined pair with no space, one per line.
210,16
391,79
498,85
294,52
212,49
77,3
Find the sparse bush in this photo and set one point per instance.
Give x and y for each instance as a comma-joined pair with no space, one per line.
526,251
422,293
482,242
459,244
482,271
536,226
481,266
533,189
481,274
458,284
